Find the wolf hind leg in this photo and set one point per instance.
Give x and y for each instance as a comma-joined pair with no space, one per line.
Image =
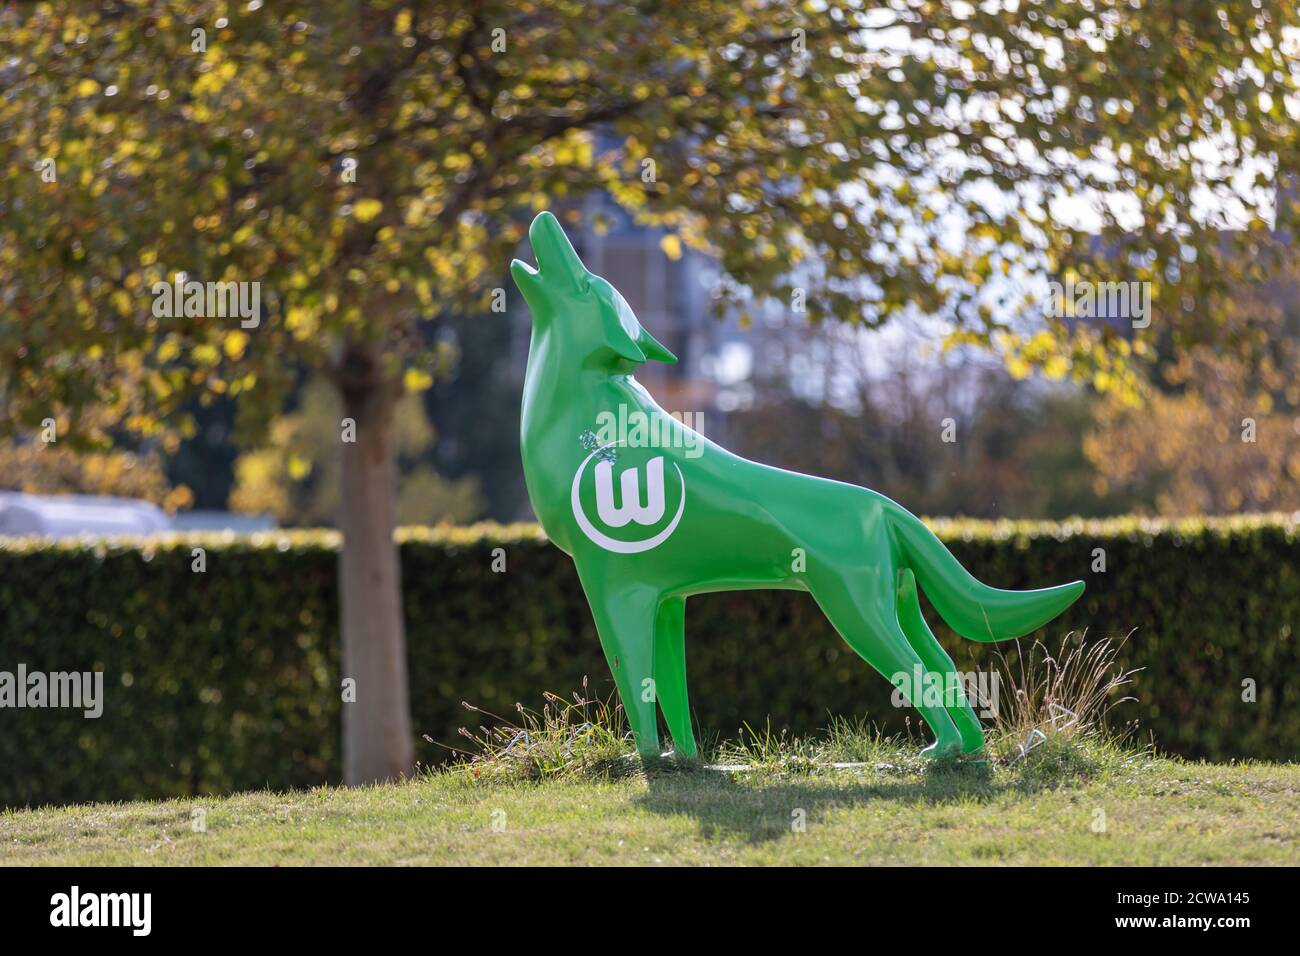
936,659
868,624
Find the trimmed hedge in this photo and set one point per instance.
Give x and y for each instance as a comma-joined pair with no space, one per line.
229,679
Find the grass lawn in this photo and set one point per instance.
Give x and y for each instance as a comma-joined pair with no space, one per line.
1076,803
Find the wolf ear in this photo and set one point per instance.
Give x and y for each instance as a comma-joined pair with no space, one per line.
654,349
640,349
528,281
624,345
556,259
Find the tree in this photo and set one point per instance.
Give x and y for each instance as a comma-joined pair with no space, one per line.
295,475
46,469
371,166
1220,432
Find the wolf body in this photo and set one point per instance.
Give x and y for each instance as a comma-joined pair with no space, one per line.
710,520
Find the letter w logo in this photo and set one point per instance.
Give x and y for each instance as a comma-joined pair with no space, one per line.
630,486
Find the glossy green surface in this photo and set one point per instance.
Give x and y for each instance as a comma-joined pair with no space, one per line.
652,512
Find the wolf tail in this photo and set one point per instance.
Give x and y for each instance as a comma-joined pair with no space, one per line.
973,609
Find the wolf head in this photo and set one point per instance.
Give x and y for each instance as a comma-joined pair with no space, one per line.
583,311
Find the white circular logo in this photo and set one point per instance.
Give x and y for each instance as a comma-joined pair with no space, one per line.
631,511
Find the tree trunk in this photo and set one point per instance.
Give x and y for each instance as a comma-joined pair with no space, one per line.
377,741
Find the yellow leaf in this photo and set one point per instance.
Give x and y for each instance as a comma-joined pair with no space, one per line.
1056,367
672,247
235,344
367,209
299,468
169,350
416,380
205,354
402,22
87,88
1018,367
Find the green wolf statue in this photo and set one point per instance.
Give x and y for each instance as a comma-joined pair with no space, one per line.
652,512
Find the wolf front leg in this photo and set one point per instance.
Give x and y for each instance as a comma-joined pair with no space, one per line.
670,673
625,621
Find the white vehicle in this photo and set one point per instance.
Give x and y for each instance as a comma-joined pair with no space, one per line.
65,516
